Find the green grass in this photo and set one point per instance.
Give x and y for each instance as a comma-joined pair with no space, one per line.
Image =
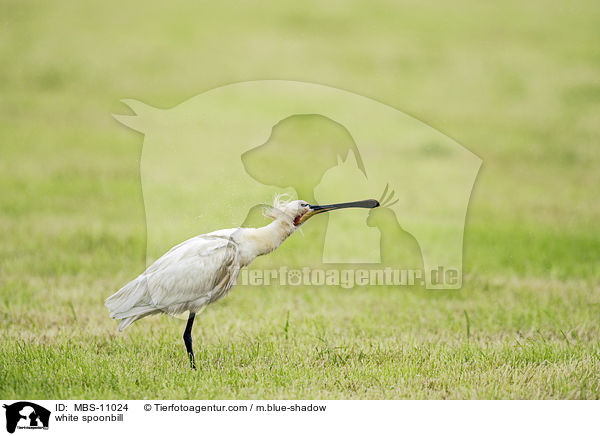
516,84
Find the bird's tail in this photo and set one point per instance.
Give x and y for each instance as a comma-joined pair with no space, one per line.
126,322
130,303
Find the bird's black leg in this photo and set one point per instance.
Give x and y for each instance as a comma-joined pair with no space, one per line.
187,339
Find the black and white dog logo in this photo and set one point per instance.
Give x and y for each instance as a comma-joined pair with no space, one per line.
26,415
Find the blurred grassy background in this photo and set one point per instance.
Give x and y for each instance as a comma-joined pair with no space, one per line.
517,83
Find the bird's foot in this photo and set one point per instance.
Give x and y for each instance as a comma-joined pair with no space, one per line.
192,362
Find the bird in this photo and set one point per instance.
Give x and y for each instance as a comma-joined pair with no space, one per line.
204,268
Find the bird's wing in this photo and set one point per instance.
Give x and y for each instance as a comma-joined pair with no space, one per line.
200,268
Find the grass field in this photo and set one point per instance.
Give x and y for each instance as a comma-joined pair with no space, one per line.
518,84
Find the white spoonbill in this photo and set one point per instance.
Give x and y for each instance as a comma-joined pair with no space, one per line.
203,269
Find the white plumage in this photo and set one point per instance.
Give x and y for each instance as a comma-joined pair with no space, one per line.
203,269
188,277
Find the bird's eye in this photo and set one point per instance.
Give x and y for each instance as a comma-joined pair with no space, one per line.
304,205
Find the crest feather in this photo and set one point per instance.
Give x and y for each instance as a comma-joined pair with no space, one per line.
279,202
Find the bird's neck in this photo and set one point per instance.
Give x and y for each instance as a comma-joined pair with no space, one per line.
263,240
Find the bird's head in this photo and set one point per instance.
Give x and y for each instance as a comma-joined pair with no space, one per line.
297,212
